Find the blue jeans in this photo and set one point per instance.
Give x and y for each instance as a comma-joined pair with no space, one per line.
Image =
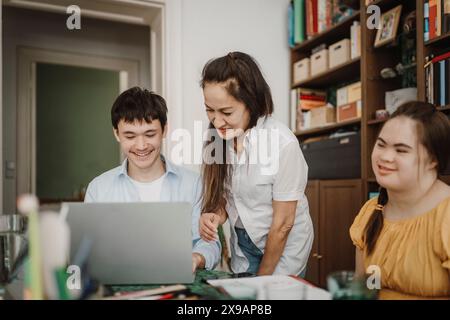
249,249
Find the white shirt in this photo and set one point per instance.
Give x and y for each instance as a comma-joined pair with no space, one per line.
149,191
257,180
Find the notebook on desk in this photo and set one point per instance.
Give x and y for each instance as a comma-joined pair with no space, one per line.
273,287
134,243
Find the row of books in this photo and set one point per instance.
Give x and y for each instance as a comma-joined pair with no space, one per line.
436,18
437,79
303,100
310,17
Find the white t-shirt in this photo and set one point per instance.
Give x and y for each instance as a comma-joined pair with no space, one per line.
150,191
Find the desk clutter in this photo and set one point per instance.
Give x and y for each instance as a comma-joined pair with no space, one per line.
274,287
44,254
49,274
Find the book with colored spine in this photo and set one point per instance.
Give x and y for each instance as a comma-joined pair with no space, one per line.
426,21
299,21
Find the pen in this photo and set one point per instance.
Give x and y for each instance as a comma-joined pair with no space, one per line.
166,296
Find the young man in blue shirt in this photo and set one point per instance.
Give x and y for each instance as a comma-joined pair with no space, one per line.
139,120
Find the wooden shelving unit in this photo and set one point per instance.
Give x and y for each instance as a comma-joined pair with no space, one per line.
322,194
327,129
444,108
374,87
345,72
439,40
368,68
329,36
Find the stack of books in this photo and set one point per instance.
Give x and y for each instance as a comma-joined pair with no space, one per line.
308,18
437,82
436,18
302,102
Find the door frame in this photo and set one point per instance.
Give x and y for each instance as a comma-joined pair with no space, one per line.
164,19
26,100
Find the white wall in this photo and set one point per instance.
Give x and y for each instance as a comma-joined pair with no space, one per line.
212,28
1,112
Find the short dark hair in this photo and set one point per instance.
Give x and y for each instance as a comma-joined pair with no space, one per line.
139,104
243,81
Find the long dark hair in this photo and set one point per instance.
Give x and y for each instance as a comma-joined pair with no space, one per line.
433,130
243,81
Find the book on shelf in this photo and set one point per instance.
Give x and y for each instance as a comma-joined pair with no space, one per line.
307,18
437,82
355,40
426,21
299,21
436,18
446,17
302,101
321,16
291,25
311,18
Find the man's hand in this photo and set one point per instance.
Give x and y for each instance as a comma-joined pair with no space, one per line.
208,224
198,262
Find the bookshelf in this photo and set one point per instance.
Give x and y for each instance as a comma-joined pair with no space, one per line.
439,40
444,108
328,36
327,129
366,68
339,74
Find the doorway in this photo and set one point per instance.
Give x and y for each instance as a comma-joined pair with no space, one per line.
64,131
74,142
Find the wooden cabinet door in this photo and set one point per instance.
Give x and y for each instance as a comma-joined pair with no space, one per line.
340,202
312,194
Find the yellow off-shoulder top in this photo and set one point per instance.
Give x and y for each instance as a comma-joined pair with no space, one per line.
413,254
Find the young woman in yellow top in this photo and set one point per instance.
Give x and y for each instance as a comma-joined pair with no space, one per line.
406,230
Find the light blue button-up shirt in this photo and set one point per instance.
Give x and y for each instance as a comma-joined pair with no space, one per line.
179,185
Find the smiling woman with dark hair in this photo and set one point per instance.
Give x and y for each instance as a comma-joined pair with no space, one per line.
406,230
271,230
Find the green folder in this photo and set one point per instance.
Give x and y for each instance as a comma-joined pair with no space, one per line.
299,21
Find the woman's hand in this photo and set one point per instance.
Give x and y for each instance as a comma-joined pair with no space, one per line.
198,262
208,224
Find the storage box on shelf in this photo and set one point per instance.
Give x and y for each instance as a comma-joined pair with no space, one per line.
322,116
302,70
319,62
339,53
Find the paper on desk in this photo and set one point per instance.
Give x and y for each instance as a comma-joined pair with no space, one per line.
274,287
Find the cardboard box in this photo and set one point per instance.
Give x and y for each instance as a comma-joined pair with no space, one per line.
349,111
319,62
341,96
354,92
322,116
339,53
302,70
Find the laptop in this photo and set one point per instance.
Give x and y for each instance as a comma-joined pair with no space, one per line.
134,243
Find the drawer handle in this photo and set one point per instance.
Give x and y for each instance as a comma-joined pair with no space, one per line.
337,47
318,256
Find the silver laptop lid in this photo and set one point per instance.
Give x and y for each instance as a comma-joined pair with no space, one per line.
134,243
